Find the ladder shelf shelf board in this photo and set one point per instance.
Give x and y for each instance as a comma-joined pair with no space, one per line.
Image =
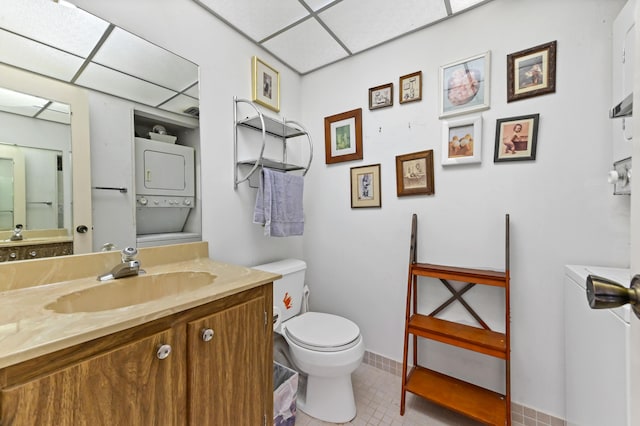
282,129
476,402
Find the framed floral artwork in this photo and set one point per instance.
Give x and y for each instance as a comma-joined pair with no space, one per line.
414,173
516,138
343,137
365,186
462,140
531,72
465,85
265,84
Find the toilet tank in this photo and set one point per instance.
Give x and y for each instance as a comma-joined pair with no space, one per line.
287,291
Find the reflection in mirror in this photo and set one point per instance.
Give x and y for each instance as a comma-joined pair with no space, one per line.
35,169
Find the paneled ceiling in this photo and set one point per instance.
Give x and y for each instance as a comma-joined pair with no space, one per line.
309,34
58,40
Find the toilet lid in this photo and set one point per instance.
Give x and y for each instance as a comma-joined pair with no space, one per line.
322,332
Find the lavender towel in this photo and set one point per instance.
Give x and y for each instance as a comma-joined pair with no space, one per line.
279,204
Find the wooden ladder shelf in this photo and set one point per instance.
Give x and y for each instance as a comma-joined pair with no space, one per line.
481,404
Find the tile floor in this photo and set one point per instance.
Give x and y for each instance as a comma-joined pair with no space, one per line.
377,395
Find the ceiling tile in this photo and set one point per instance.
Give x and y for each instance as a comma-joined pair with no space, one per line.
257,19
67,28
315,5
20,103
112,82
30,55
460,5
58,112
179,104
363,27
306,46
135,56
194,91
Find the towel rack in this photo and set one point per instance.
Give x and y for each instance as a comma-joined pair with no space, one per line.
283,129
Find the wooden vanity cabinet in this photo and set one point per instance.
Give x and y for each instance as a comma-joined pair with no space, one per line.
121,379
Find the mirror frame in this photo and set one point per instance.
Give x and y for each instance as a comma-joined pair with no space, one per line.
78,99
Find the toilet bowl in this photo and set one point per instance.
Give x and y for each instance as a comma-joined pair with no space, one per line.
326,348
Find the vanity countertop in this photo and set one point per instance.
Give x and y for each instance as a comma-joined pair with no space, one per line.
36,241
28,329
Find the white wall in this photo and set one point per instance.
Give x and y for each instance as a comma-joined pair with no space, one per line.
561,207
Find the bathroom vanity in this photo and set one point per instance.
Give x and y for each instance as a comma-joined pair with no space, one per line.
189,355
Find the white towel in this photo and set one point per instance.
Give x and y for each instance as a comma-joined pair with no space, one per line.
279,204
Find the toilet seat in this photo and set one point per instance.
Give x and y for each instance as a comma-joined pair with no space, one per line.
322,332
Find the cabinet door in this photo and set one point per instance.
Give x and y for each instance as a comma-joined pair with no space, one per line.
229,374
126,386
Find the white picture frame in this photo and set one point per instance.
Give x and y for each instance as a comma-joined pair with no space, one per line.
465,85
462,140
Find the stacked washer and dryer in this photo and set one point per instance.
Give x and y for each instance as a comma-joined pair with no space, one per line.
165,192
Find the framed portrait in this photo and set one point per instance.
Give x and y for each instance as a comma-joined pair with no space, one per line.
381,96
462,140
411,87
516,138
365,186
465,85
265,84
343,136
414,173
531,72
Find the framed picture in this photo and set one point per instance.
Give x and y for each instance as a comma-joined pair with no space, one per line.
411,87
414,173
462,140
265,84
365,186
465,85
531,72
343,136
516,138
381,96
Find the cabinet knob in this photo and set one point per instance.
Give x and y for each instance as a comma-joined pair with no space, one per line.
207,334
163,351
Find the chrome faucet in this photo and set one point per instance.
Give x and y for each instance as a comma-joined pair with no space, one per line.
17,233
128,267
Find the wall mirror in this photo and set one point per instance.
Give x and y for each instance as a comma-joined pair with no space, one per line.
72,48
35,171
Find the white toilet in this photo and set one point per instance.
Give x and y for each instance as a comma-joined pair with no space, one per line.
325,347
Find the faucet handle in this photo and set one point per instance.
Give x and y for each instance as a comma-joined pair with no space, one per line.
129,253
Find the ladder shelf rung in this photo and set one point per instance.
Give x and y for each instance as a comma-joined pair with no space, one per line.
472,275
473,401
464,336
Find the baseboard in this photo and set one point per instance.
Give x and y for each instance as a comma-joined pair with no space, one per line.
521,415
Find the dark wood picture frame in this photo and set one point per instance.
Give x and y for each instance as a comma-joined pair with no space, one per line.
414,174
410,89
365,187
343,136
516,138
532,72
381,96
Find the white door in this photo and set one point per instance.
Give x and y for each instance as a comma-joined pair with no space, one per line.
635,240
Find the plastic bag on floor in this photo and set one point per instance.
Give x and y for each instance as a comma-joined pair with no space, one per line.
285,384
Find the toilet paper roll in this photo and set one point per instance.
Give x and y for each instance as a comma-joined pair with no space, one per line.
277,317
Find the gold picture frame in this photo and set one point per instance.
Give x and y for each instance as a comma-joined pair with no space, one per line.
365,186
265,84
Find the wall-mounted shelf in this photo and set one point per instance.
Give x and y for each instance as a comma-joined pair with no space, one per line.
282,129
